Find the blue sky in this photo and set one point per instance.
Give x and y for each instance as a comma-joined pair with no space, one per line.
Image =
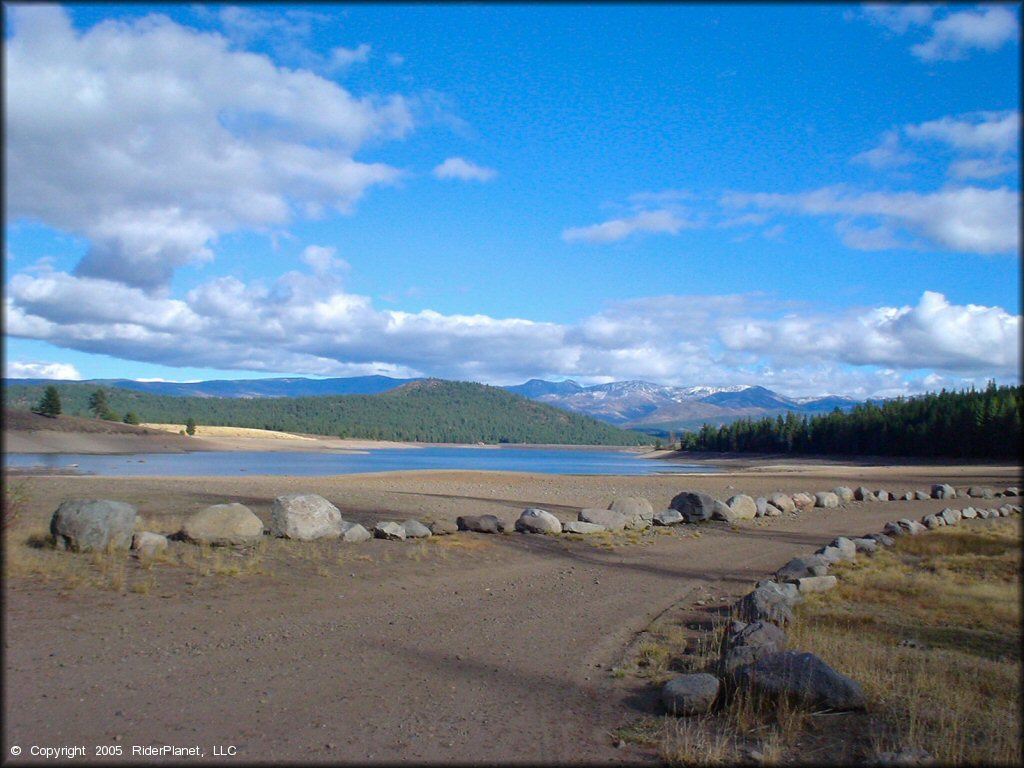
817,199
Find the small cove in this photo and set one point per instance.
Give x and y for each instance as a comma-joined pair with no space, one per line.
562,461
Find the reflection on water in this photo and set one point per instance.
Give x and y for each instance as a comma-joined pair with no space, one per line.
548,461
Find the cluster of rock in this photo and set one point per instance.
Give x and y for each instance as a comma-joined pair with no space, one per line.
753,655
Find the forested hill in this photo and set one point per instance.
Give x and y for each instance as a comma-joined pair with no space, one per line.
968,424
430,410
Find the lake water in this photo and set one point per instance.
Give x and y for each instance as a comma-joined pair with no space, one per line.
548,461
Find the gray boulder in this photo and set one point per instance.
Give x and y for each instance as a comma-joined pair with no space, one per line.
1012,491
907,496
950,515
722,511
353,533
831,554
304,516
845,494
535,520
480,523
846,546
636,509
668,517
943,491
968,513
414,529
148,544
802,678
783,502
984,514
611,520
743,507
694,506
892,528
816,584
931,521
690,694
980,492
865,545
922,495
881,538
864,494
826,499
442,527
761,505
746,643
799,567
86,525
771,601
883,495
911,526
389,530
223,525
582,528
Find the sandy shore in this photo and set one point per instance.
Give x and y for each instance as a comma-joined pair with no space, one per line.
466,649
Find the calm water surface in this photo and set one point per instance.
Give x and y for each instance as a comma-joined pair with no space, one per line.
543,460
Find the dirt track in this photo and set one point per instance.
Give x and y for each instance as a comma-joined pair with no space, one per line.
495,651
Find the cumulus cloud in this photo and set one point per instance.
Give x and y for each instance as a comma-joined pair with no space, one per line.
323,259
18,369
151,139
346,57
463,170
306,322
888,154
967,219
995,133
954,36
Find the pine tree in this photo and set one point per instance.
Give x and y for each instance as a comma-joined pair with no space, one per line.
49,404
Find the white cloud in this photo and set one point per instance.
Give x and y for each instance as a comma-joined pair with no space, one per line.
954,36
463,170
982,132
323,259
889,154
660,221
967,219
986,168
306,322
151,139
346,57
899,18
17,369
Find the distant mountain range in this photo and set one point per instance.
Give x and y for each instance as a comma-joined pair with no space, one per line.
640,405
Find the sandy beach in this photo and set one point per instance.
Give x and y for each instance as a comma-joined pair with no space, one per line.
464,649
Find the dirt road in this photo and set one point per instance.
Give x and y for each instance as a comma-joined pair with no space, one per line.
478,649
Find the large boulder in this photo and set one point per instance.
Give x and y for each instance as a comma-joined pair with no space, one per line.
921,495
442,527
148,544
980,492
865,545
846,546
353,533
743,507
968,513
86,525
582,528
771,601
932,521
943,491
535,520
694,506
668,517
911,526
803,501
746,643
844,494
783,502
304,516
864,494
610,519
223,525
414,529
480,524
637,509
690,694
801,567
816,584
826,499
883,495
390,530
802,678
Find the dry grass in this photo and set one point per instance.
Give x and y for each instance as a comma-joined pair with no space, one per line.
205,431
953,691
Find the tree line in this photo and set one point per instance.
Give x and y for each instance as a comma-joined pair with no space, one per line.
965,424
425,411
